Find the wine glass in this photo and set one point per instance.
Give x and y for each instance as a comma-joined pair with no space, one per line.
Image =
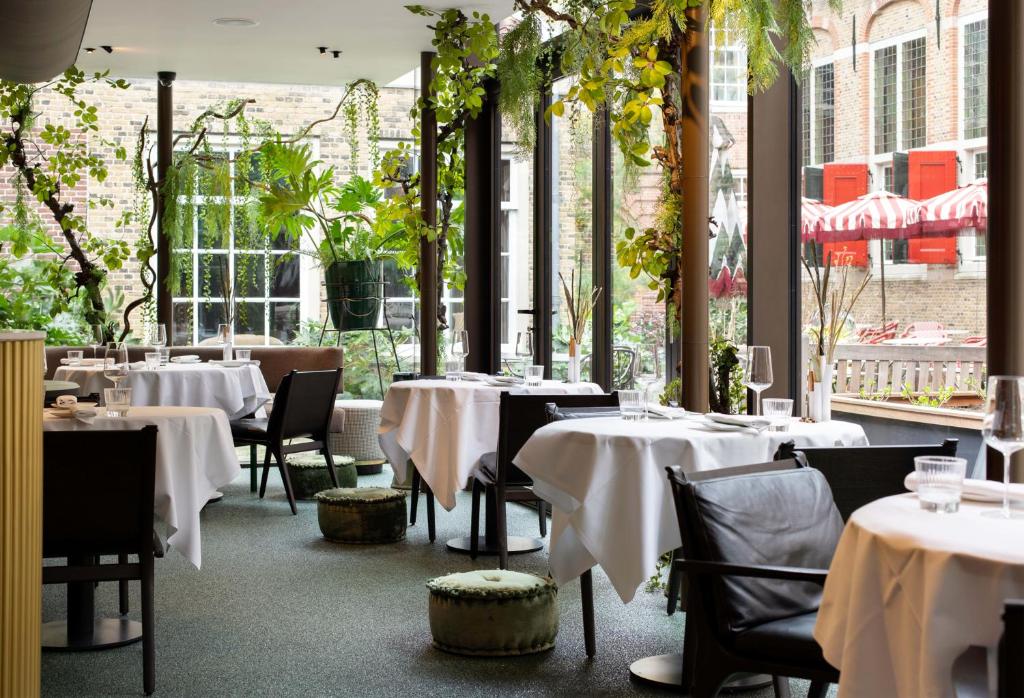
97,339
159,338
460,346
115,363
524,349
1003,430
758,376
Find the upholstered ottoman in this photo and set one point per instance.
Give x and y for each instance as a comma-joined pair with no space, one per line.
308,473
359,436
361,514
493,613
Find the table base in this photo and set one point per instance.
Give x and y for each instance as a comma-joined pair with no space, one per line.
106,634
517,545
666,670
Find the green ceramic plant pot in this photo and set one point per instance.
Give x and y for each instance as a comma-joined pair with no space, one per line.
354,293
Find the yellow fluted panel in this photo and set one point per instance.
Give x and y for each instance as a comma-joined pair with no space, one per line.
21,500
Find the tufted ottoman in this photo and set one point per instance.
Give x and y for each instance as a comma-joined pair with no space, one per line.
359,437
361,514
308,473
493,613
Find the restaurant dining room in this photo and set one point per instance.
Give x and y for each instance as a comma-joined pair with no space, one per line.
512,347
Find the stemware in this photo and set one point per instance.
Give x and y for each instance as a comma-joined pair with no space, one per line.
159,338
1003,429
460,347
524,349
758,374
97,339
115,363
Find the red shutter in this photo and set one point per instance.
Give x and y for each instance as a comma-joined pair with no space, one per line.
930,173
842,183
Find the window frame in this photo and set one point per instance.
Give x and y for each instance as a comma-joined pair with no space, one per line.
898,41
740,51
810,86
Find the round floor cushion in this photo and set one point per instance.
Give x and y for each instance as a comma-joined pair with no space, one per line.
362,514
308,473
493,613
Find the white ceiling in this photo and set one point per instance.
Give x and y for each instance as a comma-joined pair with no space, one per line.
380,39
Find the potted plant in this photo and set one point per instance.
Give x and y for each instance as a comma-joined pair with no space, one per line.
345,234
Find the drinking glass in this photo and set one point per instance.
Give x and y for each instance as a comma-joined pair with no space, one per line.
224,333
152,360
115,363
534,375
97,339
940,482
159,338
460,344
165,355
631,404
758,374
524,349
243,354
453,368
75,357
1003,429
117,400
778,410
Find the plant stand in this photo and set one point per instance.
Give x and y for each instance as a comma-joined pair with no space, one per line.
373,333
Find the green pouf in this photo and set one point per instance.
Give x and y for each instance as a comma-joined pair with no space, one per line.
362,514
493,613
308,473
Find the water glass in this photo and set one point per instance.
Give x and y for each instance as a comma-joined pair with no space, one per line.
631,404
152,360
940,482
117,400
243,354
165,355
778,411
534,376
75,357
453,369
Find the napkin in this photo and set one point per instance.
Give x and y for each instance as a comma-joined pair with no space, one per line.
84,362
186,359
670,412
137,364
503,380
977,490
740,420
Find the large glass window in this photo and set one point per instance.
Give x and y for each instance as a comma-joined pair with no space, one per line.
900,86
824,113
728,68
975,72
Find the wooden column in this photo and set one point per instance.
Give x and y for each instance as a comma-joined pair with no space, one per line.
1005,282
482,257
21,511
165,154
694,264
429,291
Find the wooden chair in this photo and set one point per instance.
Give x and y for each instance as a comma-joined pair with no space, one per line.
519,416
753,595
102,507
858,475
303,407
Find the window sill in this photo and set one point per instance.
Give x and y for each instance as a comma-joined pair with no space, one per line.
942,416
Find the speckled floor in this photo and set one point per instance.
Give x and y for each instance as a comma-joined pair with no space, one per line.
279,611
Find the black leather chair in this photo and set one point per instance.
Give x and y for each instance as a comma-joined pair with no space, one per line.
303,407
858,475
519,416
970,670
758,541
104,507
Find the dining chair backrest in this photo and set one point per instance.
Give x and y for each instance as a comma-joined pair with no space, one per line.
519,415
859,475
776,514
98,491
304,404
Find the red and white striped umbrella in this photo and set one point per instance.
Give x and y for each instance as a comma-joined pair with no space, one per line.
956,211
874,216
811,213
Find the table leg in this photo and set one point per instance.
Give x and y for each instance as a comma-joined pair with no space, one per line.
517,545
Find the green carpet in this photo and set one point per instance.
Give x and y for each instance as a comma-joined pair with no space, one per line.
279,611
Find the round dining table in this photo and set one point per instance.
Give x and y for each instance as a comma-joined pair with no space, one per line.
238,390
909,590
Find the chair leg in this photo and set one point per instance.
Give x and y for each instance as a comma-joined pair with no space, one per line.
818,689
282,465
781,686
415,495
474,521
122,588
542,515
587,595
253,467
431,530
266,472
502,525
329,457
673,586
148,620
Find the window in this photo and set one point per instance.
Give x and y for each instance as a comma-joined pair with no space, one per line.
824,113
975,76
899,96
981,165
233,262
728,68
805,117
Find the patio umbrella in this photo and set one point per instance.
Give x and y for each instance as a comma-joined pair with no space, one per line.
956,211
811,213
879,215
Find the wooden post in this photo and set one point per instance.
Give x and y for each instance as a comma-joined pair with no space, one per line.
165,154
429,292
603,251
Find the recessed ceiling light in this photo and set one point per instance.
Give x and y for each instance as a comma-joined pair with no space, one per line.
235,22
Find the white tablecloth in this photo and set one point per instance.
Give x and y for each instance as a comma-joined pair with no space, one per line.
909,590
194,456
445,426
610,495
238,390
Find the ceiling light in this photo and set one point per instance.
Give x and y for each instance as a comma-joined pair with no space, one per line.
322,50
90,49
336,53
235,22
108,49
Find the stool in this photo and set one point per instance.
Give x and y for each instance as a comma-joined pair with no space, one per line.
308,473
359,438
493,613
361,514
